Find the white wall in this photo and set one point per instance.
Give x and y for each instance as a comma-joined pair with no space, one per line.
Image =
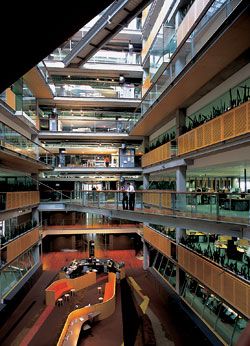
162,130
231,82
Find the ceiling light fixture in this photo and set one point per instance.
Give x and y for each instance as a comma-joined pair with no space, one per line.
109,20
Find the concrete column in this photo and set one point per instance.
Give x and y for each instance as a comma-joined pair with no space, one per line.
180,121
145,256
35,215
145,181
181,179
178,19
145,143
180,232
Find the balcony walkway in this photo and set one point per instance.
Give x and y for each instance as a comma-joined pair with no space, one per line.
204,218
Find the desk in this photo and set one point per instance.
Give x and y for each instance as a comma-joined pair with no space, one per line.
75,326
236,204
221,246
83,266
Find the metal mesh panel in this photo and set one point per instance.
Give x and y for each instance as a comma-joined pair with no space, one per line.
228,122
240,120
217,130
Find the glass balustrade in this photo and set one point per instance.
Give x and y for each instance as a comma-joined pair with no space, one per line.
106,91
211,206
98,161
109,57
14,141
226,322
165,267
12,232
86,126
180,56
18,199
13,272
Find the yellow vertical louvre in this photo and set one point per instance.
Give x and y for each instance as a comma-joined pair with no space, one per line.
240,296
217,129
228,288
207,134
240,119
192,144
199,137
248,116
228,122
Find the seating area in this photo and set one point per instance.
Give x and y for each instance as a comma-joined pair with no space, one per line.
57,290
109,291
67,287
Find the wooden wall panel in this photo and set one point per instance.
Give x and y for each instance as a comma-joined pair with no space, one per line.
10,98
158,199
199,269
21,199
241,296
157,240
207,273
191,17
230,288
18,246
216,278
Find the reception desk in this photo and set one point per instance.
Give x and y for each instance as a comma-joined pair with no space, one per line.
84,266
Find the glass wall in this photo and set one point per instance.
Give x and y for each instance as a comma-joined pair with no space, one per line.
16,142
232,98
78,121
165,267
16,226
229,252
168,231
97,90
227,323
12,273
205,28
9,184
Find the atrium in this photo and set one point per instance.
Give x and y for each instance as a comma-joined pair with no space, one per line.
125,175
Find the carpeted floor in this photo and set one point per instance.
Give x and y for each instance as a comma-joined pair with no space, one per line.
178,327
28,311
47,336
168,316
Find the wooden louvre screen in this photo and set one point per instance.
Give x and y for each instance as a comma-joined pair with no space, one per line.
229,125
230,288
157,155
158,199
157,240
21,199
18,246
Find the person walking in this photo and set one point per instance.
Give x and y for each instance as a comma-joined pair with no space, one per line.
131,198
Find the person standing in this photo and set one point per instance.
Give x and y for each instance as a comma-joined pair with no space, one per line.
107,161
131,198
124,198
